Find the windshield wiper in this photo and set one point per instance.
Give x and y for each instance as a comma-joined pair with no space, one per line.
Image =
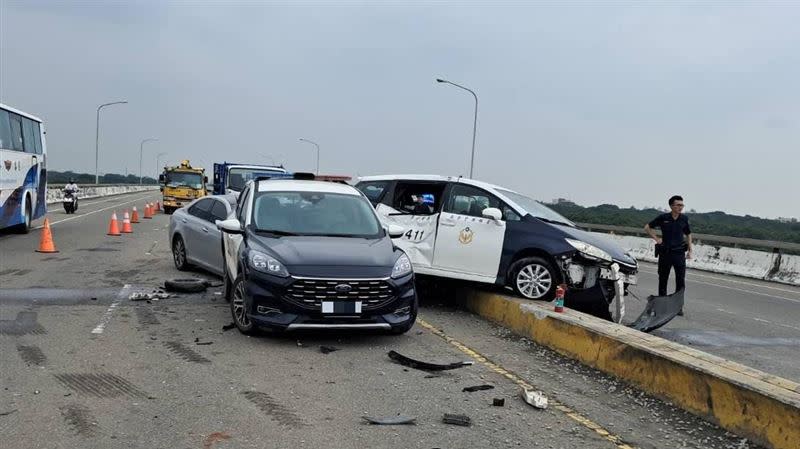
276,232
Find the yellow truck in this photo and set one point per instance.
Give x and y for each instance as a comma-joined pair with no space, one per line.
182,184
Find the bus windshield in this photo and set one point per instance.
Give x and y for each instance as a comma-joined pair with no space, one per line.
179,179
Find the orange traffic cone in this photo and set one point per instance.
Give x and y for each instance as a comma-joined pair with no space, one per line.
113,228
148,213
46,244
134,215
126,224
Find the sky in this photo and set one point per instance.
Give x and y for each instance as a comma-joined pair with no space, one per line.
622,103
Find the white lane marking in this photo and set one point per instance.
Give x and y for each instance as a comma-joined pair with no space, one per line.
734,288
762,320
790,327
107,316
736,281
75,217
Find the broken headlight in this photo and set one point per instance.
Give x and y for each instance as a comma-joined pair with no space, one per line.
589,251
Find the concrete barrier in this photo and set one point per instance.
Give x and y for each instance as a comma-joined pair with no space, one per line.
745,401
55,193
776,267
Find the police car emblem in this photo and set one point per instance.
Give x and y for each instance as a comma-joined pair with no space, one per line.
465,236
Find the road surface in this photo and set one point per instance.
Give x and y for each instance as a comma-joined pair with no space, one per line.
83,366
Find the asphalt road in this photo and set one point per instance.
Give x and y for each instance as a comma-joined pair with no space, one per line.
83,366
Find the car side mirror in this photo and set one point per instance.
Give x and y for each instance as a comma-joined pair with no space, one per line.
161,179
205,179
492,213
230,226
395,231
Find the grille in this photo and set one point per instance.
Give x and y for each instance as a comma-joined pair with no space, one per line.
309,293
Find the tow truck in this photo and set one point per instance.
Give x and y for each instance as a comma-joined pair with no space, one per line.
181,185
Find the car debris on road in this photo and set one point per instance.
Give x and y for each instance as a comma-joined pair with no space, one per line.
498,402
477,388
457,420
149,296
425,366
398,420
534,398
327,349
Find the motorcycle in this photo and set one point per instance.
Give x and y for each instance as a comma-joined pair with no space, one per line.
70,201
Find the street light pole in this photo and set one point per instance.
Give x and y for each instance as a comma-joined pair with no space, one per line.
315,144
474,123
97,140
141,150
158,162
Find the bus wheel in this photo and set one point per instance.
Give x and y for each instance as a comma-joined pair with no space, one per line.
25,227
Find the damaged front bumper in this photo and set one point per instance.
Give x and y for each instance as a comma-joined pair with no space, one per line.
598,289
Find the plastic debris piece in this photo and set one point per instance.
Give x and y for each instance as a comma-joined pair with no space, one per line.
327,349
425,366
498,402
228,327
659,311
152,296
477,388
534,398
398,420
457,420
204,343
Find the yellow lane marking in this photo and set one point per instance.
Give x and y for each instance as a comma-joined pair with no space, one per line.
574,415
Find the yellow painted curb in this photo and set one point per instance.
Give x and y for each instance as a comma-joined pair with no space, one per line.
745,401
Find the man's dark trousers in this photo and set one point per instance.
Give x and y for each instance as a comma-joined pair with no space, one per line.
667,261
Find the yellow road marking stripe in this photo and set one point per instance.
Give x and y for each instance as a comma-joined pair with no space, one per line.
574,415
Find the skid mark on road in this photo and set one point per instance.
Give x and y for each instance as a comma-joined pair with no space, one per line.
185,353
99,385
274,409
32,355
573,414
80,420
25,324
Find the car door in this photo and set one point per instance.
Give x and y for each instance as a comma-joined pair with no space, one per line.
232,242
467,244
194,221
419,219
212,236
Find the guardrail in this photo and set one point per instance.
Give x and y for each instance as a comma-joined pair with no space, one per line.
736,242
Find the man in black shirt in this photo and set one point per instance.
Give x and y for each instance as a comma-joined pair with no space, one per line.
673,250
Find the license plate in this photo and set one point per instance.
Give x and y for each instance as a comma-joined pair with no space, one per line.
341,307
605,273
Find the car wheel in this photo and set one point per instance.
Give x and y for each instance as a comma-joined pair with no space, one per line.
179,253
534,278
239,308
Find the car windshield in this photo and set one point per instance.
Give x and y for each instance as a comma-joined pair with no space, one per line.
238,177
315,213
536,208
178,179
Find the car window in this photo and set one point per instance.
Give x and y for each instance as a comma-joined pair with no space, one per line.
16,132
219,211
418,197
315,213
468,200
535,208
29,135
373,190
202,209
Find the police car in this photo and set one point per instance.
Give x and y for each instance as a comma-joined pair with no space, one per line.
465,229
305,254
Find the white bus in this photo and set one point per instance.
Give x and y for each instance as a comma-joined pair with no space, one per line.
23,174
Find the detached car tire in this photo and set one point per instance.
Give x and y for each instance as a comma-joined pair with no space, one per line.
186,285
534,278
239,308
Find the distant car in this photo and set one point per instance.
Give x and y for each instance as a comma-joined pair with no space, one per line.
470,230
193,236
313,255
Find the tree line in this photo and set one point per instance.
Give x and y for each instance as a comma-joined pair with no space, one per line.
59,177
716,223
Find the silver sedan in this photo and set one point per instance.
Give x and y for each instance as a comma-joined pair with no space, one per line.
194,237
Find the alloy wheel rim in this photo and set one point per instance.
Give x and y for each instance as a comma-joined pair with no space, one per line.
238,306
179,253
534,281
